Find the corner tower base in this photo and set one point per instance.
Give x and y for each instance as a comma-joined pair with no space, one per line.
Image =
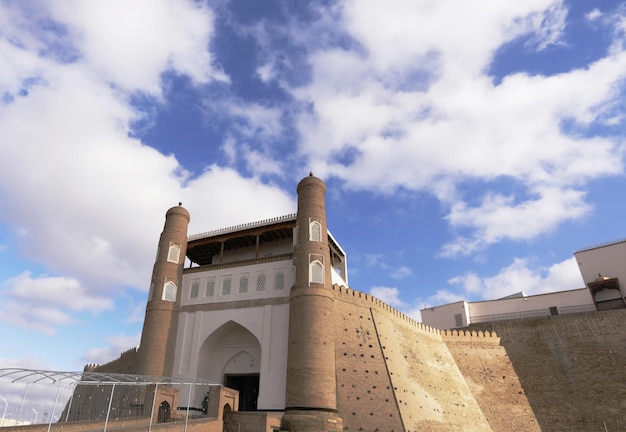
311,421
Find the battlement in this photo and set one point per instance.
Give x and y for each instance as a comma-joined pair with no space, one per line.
125,363
469,336
348,294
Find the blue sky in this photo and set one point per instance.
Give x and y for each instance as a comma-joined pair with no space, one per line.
468,147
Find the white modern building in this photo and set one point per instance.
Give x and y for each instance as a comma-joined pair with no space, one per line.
602,267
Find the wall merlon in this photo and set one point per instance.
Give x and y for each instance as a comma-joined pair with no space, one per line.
469,336
348,294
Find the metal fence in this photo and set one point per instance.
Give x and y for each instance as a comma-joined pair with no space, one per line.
29,397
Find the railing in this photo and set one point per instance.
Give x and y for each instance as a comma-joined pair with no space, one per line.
250,261
537,313
240,227
510,316
599,245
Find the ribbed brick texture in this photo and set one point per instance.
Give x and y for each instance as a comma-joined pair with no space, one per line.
311,401
571,367
155,355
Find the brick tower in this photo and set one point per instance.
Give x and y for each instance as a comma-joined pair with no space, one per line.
155,355
311,397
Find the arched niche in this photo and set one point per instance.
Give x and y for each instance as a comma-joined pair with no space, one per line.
231,355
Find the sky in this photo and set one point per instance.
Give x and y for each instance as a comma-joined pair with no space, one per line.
468,148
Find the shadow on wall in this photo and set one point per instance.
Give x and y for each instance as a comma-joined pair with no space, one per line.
571,368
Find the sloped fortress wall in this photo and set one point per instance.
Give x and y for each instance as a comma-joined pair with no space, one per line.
394,374
489,373
572,368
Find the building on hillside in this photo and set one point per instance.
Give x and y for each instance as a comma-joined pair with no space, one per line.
463,313
265,309
601,268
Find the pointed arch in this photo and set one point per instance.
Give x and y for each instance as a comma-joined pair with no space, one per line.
224,344
169,291
316,272
173,254
315,231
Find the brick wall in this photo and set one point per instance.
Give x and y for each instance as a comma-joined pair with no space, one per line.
572,368
394,374
125,363
490,375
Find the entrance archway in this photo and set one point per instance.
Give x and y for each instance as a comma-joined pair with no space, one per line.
248,387
165,412
231,355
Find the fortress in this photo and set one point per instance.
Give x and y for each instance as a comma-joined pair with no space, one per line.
266,309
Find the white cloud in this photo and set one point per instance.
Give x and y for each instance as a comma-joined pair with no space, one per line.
426,116
131,43
498,218
87,199
42,303
401,272
56,291
389,295
593,15
23,363
520,276
117,345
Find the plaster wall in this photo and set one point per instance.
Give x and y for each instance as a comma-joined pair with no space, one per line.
565,301
444,316
606,260
251,333
336,277
253,288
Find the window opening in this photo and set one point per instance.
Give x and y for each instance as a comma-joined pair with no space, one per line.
226,284
173,254
195,287
210,287
316,272
458,320
243,284
260,282
315,231
279,280
169,291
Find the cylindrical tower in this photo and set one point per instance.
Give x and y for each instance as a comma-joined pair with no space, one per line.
155,355
311,397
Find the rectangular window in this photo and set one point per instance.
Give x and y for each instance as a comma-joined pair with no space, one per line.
458,320
173,254
243,284
260,282
279,280
226,285
210,287
195,287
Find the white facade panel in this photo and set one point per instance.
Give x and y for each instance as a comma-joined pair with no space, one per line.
263,281
608,261
251,340
452,315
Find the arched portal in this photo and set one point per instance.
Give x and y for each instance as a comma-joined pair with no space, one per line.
231,355
165,412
